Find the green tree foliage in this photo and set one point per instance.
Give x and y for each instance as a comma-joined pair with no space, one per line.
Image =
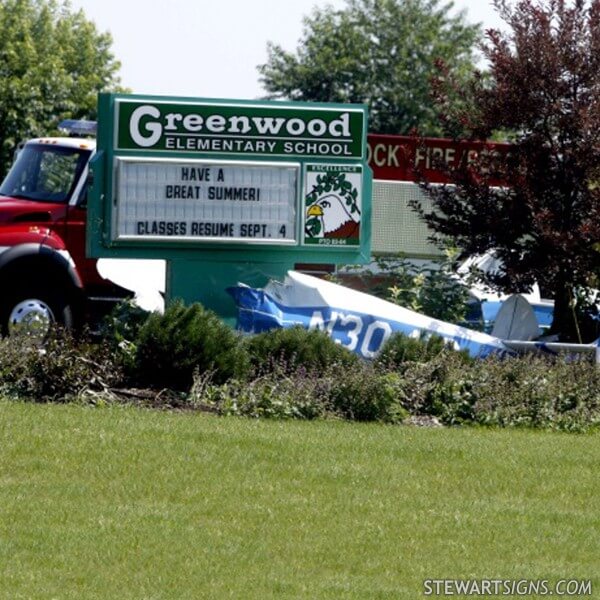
378,52
52,64
544,86
431,288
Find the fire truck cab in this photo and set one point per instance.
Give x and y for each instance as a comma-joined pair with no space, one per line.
45,276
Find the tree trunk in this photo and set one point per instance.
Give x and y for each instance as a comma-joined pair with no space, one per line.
563,322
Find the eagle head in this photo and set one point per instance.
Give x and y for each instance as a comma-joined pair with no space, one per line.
336,219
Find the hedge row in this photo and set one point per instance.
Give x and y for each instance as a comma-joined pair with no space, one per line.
294,373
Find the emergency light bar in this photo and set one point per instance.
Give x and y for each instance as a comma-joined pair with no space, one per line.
78,127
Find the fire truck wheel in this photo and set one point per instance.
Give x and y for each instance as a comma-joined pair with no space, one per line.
32,312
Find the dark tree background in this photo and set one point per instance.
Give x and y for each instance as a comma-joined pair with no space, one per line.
378,52
543,86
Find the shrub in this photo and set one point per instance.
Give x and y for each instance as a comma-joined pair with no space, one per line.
171,347
400,349
62,369
368,395
528,391
273,395
538,391
422,381
124,322
356,393
292,348
120,328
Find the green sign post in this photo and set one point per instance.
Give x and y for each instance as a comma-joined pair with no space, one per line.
229,191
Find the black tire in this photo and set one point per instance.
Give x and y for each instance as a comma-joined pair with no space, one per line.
33,309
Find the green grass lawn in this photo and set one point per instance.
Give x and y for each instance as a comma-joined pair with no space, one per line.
128,503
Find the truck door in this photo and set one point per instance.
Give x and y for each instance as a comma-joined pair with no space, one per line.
76,236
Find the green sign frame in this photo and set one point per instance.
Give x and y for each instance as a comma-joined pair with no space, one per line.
229,190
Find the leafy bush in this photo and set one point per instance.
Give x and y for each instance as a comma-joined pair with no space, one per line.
357,393
124,321
120,328
530,391
171,347
273,395
400,349
535,391
423,379
62,369
368,395
289,349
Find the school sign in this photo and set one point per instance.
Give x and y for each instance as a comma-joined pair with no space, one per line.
248,186
258,130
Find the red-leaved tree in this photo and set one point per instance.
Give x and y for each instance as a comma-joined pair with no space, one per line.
543,91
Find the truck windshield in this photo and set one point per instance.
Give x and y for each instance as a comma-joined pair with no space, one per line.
45,173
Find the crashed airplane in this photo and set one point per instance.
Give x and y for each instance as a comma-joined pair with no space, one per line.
362,323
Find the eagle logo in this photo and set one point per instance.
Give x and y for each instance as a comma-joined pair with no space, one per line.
332,208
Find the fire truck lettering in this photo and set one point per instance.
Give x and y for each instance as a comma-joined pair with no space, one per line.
377,158
433,155
392,159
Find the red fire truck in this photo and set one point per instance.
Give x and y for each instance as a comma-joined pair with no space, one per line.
45,276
